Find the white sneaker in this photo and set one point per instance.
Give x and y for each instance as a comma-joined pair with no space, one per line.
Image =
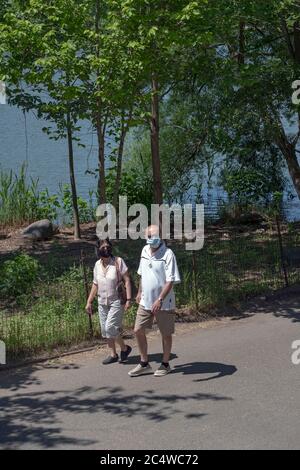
162,370
140,370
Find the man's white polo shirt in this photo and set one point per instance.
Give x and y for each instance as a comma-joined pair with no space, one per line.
155,270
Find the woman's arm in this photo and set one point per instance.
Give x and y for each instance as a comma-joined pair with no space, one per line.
139,294
127,281
90,299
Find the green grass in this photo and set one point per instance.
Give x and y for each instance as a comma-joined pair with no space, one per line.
229,271
51,317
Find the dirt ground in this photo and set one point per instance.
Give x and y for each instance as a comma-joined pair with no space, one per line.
12,242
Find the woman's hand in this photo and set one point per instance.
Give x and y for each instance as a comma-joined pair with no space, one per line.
89,308
138,298
127,305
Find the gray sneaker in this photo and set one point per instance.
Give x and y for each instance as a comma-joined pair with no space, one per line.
162,370
140,370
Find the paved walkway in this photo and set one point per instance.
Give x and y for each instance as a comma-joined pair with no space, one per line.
233,386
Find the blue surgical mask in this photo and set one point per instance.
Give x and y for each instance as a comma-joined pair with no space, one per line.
154,242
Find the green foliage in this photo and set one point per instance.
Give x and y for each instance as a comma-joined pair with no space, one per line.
17,276
182,156
135,184
86,208
246,186
224,71
48,205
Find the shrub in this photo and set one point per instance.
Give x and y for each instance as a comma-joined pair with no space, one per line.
17,276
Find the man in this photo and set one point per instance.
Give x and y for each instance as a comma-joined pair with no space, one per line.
158,271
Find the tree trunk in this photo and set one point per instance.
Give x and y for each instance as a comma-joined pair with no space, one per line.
297,42
158,195
287,36
241,54
100,127
72,180
124,129
289,152
294,168
101,159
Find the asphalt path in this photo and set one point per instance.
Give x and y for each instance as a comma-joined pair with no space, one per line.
233,386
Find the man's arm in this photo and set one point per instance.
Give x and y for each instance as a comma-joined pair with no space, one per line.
158,303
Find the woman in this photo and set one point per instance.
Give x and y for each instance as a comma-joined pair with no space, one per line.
108,271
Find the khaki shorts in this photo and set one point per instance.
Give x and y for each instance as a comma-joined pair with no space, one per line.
165,320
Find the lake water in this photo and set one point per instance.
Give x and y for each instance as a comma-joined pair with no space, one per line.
22,140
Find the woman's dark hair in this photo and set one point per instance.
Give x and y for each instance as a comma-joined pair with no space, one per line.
99,243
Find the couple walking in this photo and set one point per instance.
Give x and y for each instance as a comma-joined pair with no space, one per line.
158,273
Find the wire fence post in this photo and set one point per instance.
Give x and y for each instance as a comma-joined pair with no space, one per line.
86,287
283,264
195,280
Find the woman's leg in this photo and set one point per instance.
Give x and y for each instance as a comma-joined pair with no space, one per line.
111,343
121,343
113,326
103,315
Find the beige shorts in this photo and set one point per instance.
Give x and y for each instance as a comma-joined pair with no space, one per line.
165,320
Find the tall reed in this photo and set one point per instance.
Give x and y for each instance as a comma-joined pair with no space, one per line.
19,198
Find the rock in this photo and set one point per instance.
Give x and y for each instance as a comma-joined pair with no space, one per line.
40,230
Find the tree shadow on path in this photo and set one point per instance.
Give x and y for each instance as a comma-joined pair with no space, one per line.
39,419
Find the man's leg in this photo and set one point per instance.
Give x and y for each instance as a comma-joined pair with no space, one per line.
144,319
165,321
167,347
142,344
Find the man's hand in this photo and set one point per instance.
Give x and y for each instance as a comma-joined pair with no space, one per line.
89,308
127,305
156,306
138,298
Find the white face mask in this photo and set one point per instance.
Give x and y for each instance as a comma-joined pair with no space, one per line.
154,242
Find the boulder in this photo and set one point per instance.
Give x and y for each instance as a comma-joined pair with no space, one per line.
40,230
